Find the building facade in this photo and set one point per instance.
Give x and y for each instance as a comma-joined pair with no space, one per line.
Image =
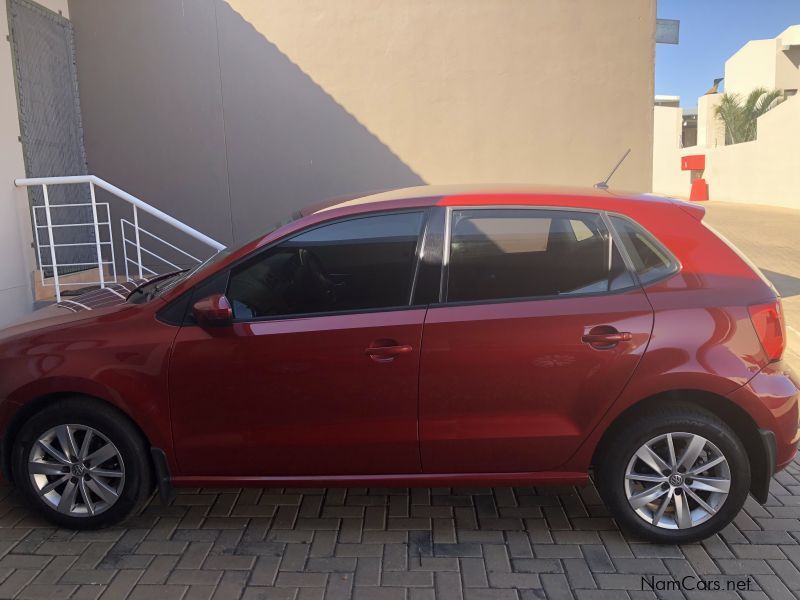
229,115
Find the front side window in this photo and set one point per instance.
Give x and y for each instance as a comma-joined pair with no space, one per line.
650,259
357,264
500,254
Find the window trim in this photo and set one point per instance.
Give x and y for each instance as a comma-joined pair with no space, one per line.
614,241
434,226
675,264
426,218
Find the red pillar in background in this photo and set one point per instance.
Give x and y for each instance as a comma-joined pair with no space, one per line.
696,163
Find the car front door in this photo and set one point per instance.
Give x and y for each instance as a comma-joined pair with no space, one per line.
318,373
540,328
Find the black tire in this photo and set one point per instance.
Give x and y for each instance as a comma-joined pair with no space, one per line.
611,469
137,485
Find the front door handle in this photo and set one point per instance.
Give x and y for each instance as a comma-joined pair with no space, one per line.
604,337
387,350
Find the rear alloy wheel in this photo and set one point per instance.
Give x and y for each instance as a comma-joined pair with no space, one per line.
675,475
677,480
82,464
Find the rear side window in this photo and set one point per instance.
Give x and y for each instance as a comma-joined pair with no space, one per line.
500,254
362,263
650,259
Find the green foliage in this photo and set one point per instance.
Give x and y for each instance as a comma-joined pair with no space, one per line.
741,117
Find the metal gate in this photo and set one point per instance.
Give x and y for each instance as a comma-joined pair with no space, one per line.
52,134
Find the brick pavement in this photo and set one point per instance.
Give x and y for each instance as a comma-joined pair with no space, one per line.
500,543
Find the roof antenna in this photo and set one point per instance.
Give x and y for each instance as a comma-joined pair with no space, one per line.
603,185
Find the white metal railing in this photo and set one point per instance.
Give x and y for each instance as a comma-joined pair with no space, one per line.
140,260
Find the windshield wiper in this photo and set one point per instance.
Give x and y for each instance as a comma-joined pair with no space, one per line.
163,279
163,283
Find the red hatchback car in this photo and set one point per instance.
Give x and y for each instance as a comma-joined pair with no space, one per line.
422,337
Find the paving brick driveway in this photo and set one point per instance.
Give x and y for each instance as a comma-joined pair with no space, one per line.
397,543
498,543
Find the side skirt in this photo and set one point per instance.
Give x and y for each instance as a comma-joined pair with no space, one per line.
410,480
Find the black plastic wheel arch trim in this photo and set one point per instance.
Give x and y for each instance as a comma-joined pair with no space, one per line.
762,474
163,478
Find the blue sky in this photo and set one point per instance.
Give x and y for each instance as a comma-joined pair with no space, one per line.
711,31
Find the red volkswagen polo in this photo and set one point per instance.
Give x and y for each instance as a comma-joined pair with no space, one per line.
423,337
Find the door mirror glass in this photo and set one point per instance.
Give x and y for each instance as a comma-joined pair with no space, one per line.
213,311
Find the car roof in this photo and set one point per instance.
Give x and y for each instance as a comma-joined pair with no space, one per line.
492,194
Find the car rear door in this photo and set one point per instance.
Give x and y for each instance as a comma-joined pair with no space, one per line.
540,327
318,373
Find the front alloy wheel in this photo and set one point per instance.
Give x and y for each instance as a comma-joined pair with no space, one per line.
82,464
77,470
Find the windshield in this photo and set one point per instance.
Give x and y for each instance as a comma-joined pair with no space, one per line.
159,285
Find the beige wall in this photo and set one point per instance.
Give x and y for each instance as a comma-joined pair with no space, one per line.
469,90
16,256
229,115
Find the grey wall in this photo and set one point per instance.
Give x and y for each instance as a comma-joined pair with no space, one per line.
190,108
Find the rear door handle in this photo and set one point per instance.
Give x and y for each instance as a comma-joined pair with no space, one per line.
389,350
605,337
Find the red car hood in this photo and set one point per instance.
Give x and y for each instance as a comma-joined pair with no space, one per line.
73,308
114,293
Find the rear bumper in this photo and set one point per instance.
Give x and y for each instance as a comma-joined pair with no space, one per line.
772,398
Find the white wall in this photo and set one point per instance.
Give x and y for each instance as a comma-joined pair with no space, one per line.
753,66
16,255
787,75
667,176
765,63
764,171
16,297
710,128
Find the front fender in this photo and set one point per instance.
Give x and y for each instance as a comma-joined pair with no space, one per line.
121,358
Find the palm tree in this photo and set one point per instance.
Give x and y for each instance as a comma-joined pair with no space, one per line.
741,118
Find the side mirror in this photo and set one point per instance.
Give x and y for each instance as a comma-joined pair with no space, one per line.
213,311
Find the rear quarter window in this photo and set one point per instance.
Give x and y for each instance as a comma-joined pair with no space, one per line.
651,260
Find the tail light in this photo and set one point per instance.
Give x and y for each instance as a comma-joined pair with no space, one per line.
770,327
